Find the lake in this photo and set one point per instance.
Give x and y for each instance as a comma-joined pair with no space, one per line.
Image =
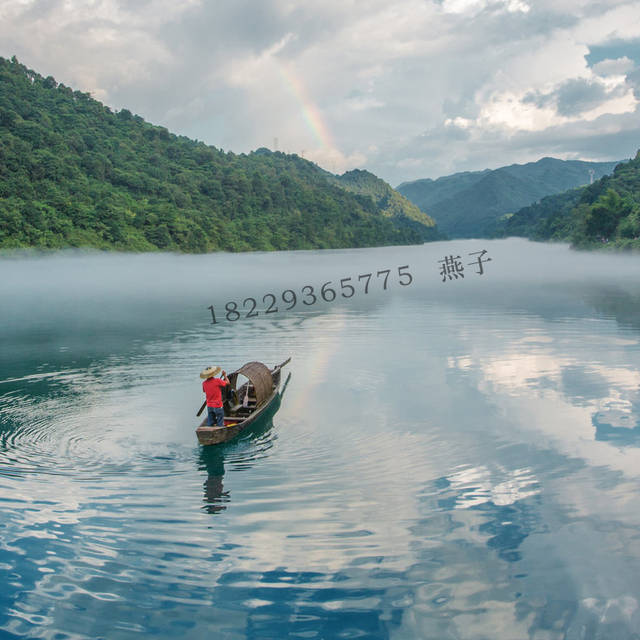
451,459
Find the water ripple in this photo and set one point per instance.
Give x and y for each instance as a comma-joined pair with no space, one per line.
446,462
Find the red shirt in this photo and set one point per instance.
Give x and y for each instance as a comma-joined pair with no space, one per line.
211,386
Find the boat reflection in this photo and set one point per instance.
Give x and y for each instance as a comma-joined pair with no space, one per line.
215,496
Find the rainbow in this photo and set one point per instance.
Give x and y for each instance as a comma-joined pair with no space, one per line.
310,112
318,357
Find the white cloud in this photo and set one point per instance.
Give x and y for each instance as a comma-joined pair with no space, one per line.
335,161
616,67
464,6
362,103
413,88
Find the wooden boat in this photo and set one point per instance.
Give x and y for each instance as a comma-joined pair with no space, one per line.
262,389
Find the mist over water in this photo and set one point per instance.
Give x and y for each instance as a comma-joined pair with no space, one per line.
455,459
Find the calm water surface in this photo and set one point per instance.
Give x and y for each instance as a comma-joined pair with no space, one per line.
450,460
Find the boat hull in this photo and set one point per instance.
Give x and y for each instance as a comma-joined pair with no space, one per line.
216,435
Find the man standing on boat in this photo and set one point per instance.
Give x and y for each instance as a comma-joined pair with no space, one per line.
212,387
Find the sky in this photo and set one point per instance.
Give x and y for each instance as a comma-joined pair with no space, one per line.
407,89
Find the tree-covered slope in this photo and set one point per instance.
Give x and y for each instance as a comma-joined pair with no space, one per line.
474,211
390,202
548,219
603,214
425,193
471,204
74,173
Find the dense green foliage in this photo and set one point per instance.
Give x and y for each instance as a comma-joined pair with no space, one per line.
74,173
390,202
603,214
609,210
472,204
549,219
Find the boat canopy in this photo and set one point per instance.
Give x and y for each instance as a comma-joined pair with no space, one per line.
259,376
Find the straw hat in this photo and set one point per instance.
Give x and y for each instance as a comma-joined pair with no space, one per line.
209,372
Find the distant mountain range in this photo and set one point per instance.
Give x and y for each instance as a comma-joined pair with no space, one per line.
75,173
471,204
605,214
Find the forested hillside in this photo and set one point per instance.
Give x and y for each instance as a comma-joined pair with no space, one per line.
603,214
75,173
548,219
472,203
390,202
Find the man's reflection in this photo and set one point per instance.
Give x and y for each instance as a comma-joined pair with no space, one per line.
215,497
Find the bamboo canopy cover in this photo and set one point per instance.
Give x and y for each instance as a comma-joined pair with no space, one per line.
259,376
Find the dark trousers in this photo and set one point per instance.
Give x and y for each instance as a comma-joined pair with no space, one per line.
215,416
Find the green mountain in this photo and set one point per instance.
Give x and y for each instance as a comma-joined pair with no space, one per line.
548,219
603,214
392,204
427,192
75,173
471,204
